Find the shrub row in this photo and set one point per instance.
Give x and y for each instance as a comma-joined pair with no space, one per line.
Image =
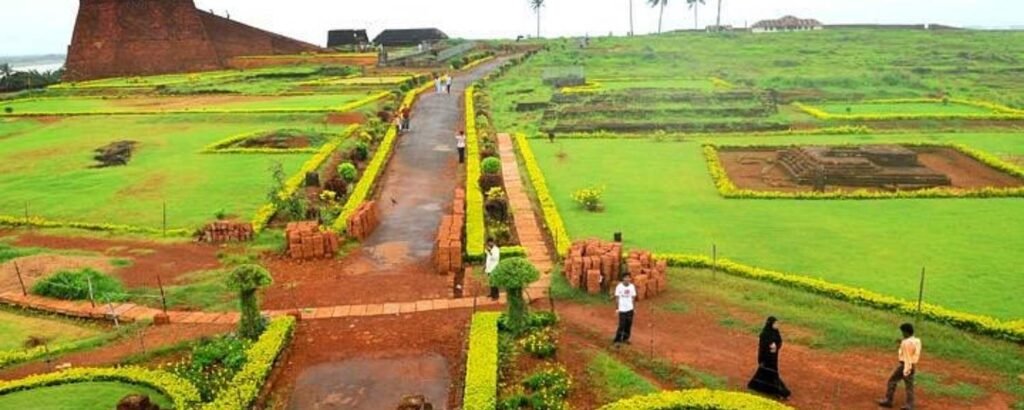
720,83
1012,331
475,227
552,218
362,189
39,222
474,63
264,214
182,393
260,358
727,189
589,87
698,399
974,103
482,363
823,115
839,130
219,146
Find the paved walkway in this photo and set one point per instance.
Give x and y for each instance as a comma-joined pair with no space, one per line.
528,227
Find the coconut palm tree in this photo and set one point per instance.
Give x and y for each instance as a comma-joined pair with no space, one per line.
5,71
695,4
718,20
536,5
661,14
630,17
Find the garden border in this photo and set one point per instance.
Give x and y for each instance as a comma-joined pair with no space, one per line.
697,399
215,147
1000,112
481,387
727,189
475,227
260,358
180,391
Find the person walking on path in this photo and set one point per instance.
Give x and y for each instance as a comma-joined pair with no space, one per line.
437,85
767,379
448,83
493,257
460,145
909,355
625,296
406,118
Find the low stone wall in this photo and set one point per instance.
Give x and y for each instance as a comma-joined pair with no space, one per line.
307,241
226,231
596,266
363,221
448,245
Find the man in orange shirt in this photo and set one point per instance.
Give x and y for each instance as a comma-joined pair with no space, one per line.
909,355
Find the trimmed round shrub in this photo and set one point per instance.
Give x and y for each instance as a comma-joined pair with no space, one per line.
514,274
348,172
247,280
361,152
491,166
74,285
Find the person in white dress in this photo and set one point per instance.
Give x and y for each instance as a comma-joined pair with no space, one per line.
493,257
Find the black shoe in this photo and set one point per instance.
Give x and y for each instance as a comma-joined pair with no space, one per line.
885,403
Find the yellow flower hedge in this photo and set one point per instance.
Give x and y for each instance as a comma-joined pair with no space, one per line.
552,218
727,189
698,399
482,363
218,147
720,83
1000,112
38,222
589,87
182,393
476,62
475,227
1012,331
263,215
361,192
839,130
260,358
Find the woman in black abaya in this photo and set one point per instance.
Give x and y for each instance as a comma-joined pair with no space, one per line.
767,379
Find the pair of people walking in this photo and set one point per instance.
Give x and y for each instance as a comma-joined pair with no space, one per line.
443,84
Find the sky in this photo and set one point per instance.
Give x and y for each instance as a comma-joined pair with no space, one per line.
45,26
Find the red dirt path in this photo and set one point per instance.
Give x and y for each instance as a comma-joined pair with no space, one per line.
149,259
819,379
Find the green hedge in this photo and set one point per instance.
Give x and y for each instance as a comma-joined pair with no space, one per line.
1000,113
482,363
475,227
1012,331
727,189
260,358
38,222
552,219
181,392
699,399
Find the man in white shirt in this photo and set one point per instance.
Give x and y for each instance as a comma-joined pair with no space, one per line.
625,296
460,146
909,355
493,257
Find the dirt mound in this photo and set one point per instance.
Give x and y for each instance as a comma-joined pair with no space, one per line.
115,154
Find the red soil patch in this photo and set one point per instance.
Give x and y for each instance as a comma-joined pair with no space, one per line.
149,259
819,379
757,169
354,279
336,340
194,102
36,267
149,338
346,118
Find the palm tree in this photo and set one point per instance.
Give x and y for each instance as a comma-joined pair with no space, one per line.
536,5
718,20
661,14
695,4
630,17
5,69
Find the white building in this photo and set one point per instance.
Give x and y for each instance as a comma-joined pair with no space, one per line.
787,23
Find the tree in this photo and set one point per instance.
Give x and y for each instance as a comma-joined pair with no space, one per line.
718,20
536,5
661,14
630,18
695,4
514,274
247,280
5,69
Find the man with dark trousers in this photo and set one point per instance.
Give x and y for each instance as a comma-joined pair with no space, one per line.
909,355
625,297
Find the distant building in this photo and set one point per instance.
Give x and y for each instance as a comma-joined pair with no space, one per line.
787,23
347,39
409,37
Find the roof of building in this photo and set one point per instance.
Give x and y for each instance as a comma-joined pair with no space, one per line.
336,38
787,22
409,36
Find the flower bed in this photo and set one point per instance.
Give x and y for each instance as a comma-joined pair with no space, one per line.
482,363
999,112
475,228
698,399
260,358
182,393
728,189
225,146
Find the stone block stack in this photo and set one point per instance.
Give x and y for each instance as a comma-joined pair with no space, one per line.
649,275
363,221
448,245
307,241
226,231
593,265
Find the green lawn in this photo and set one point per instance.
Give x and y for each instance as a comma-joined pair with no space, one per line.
16,329
903,108
659,194
79,396
80,105
615,380
48,166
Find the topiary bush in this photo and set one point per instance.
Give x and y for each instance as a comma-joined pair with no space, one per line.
514,274
361,152
247,280
348,172
491,166
74,285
